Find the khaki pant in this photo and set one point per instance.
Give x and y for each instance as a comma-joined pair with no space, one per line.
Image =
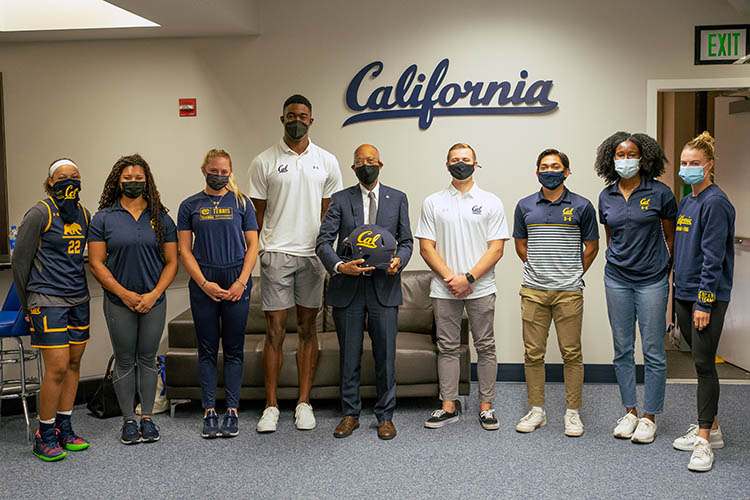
538,309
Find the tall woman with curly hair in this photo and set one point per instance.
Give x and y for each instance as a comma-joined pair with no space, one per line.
133,255
218,236
50,279
638,213
703,277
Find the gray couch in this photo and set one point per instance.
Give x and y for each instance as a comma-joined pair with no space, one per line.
416,353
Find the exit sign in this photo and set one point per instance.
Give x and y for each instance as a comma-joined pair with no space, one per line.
721,44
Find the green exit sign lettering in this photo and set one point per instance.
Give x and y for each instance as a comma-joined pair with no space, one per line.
721,44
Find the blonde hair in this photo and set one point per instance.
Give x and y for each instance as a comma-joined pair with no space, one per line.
461,145
704,142
232,186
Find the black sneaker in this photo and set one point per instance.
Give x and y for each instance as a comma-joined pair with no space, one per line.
130,434
230,425
149,431
488,420
210,425
441,417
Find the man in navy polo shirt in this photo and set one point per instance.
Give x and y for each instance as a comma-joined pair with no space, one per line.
557,239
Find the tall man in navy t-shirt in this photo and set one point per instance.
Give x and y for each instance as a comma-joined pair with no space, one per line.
551,227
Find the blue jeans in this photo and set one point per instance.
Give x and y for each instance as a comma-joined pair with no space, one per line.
647,303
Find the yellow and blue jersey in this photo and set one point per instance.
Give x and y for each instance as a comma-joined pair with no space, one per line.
58,267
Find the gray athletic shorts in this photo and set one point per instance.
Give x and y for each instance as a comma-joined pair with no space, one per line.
288,280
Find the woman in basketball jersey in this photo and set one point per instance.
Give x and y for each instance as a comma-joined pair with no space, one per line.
50,278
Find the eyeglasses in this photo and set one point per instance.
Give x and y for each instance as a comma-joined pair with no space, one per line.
358,162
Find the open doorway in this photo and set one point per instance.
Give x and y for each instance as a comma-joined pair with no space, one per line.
680,114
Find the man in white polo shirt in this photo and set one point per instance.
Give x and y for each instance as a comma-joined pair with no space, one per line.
462,232
291,184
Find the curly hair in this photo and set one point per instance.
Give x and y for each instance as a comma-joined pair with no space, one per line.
112,193
652,163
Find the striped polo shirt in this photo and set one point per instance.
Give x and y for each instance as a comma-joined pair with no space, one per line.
555,232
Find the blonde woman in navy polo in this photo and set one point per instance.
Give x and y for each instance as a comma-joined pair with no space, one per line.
133,255
638,213
51,283
218,237
703,276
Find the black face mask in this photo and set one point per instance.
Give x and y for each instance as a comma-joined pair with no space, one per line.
367,173
296,129
461,170
65,194
133,189
216,182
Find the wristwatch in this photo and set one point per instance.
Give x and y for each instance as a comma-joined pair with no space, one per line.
470,278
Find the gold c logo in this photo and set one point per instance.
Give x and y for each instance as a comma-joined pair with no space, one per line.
363,240
644,203
568,214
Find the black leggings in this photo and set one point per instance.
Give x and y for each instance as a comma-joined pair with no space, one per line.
704,344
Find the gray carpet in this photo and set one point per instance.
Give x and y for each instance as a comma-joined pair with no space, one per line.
458,461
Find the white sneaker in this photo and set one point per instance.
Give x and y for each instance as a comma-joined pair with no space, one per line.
626,426
645,432
687,442
573,424
535,418
268,421
303,417
702,459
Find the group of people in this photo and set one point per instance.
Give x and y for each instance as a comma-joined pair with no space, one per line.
295,211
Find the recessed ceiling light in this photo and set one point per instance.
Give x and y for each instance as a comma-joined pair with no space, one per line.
42,15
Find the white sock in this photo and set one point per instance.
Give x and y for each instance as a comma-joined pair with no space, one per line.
570,410
49,421
538,409
69,412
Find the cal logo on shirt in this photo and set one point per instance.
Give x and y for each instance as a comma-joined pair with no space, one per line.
35,310
568,214
684,223
644,203
216,213
476,209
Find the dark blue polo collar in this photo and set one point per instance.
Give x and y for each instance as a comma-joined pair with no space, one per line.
645,185
565,198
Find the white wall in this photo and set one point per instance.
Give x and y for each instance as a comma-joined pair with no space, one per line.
94,101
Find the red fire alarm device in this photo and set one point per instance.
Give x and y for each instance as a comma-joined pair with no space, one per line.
188,107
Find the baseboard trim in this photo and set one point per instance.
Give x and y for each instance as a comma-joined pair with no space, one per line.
592,373
86,389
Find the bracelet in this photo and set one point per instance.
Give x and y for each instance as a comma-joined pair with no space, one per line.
241,283
204,282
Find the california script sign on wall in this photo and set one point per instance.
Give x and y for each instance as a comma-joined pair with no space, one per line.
412,97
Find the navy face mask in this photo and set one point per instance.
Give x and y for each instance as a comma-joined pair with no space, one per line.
65,193
461,170
551,179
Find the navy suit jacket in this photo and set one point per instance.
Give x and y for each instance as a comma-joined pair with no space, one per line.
346,213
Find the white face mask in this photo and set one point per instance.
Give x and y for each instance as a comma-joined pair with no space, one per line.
627,167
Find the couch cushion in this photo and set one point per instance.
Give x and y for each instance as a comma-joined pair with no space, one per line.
415,315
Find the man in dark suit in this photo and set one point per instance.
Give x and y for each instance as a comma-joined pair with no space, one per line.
357,292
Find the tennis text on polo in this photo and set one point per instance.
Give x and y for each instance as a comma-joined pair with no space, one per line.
410,98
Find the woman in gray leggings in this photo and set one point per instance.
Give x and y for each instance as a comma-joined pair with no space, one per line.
133,255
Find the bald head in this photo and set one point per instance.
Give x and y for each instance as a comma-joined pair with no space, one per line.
366,152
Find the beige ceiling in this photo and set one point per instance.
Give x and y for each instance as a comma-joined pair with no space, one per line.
178,18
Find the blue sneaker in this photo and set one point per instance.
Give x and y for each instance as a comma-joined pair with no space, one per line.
149,431
230,425
210,425
130,434
46,446
68,439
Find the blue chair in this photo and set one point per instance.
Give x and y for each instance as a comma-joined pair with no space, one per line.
13,325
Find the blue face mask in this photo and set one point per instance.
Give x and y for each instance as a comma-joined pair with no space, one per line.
551,179
692,175
627,168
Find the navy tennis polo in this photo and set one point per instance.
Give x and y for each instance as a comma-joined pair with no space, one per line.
637,251
218,224
555,231
133,257
704,248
